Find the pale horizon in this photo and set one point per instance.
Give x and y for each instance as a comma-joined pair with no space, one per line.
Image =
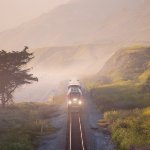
16,12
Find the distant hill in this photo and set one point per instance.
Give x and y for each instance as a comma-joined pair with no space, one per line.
124,80
84,21
81,60
128,64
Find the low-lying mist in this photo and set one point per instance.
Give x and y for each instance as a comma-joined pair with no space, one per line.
56,65
51,83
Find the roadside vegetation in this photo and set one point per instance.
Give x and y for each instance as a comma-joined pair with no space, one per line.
126,114
130,129
60,99
23,125
122,93
120,96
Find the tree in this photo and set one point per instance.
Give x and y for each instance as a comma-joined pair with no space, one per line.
13,73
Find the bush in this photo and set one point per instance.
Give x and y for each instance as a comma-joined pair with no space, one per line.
126,96
15,141
130,129
22,126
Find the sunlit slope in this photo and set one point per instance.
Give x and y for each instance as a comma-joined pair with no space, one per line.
123,89
131,63
124,81
82,22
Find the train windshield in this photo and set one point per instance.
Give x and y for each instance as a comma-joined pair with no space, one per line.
75,95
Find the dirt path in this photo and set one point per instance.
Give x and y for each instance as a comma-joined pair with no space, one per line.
56,141
95,138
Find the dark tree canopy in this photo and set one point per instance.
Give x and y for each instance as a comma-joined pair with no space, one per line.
13,73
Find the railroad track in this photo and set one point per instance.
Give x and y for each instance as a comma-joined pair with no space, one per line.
75,137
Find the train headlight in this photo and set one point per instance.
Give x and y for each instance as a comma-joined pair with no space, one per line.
75,99
69,102
80,102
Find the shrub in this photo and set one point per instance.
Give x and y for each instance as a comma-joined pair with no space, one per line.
126,96
130,128
22,126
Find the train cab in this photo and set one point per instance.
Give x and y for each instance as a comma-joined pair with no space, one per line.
75,97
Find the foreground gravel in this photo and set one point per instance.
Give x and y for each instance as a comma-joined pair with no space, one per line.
96,139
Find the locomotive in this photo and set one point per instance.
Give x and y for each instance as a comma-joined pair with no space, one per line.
74,96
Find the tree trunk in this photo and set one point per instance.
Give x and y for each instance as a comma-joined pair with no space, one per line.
3,101
3,104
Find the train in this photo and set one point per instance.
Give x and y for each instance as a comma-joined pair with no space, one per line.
74,96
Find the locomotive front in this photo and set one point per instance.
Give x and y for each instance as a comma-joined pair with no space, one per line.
75,97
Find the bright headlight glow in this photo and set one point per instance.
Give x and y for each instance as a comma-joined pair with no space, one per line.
69,102
80,102
75,99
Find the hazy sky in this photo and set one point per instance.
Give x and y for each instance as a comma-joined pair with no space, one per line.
15,12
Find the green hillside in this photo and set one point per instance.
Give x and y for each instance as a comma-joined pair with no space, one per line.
124,81
122,92
128,64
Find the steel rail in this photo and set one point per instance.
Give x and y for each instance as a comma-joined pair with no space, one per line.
70,133
81,132
78,119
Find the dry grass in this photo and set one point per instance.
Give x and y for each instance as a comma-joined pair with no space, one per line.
130,129
22,125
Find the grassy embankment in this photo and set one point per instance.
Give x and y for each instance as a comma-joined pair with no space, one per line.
126,115
22,126
129,128
117,96
125,101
